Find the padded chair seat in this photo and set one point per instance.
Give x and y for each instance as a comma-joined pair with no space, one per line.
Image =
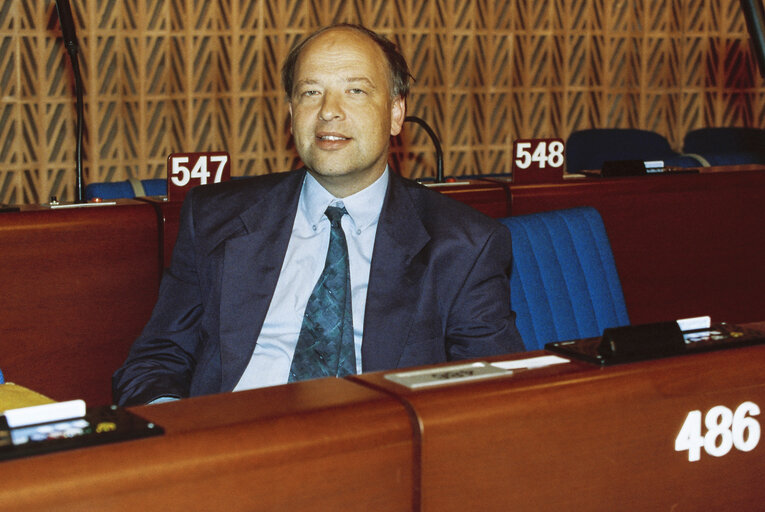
564,283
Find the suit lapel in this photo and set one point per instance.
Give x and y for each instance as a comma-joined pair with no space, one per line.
251,266
394,279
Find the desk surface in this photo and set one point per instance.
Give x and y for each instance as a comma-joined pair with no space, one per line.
321,445
573,436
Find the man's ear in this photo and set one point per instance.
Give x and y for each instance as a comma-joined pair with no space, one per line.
289,109
397,115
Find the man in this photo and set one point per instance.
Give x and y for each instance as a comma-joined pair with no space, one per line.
428,276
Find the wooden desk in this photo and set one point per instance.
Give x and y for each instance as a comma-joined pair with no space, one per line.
567,437
321,445
580,437
78,285
490,197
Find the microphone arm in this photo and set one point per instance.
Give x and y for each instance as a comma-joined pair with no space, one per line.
66,21
436,143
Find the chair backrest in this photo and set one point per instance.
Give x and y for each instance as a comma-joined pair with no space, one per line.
126,189
588,149
727,146
564,283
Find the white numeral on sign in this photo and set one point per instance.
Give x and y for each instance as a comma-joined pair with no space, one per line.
725,429
221,160
199,172
180,173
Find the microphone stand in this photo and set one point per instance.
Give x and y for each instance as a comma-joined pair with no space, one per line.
70,42
436,143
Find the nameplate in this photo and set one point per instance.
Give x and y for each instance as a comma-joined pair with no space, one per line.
416,379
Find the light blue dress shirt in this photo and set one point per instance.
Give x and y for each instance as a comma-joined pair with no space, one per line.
303,263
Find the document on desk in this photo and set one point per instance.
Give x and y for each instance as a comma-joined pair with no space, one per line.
464,372
530,363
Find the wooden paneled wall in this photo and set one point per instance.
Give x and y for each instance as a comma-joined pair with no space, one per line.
163,76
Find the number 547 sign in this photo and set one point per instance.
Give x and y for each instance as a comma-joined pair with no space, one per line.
538,160
187,170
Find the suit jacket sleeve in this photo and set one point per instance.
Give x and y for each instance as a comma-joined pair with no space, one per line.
480,321
162,359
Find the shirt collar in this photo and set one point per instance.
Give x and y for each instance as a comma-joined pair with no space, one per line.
363,207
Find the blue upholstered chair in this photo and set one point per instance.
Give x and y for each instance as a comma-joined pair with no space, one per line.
2,378
727,146
126,189
564,284
589,149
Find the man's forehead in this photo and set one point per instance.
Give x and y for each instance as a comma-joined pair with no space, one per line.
343,40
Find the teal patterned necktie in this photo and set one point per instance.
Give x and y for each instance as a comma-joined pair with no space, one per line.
325,345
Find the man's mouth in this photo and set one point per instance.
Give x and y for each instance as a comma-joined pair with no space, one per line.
332,141
332,138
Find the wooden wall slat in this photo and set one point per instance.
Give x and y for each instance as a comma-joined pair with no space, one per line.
163,76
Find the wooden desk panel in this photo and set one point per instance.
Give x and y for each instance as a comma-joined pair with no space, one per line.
169,214
320,445
491,198
580,437
684,245
78,286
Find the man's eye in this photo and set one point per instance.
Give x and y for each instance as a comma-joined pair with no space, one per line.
356,91
309,93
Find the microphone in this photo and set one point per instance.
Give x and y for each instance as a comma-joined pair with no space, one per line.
754,14
66,20
436,143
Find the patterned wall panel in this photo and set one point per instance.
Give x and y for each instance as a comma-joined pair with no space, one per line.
186,75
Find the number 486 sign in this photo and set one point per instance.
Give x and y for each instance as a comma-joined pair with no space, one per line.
187,170
538,160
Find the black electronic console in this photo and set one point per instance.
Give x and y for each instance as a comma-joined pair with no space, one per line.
625,168
99,425
653,341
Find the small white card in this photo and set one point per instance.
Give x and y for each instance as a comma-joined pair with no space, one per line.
56,411
530,363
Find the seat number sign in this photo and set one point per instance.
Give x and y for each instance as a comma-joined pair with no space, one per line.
187,170
718,431
538,160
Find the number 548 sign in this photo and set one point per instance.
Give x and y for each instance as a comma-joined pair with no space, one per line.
187,170
538,160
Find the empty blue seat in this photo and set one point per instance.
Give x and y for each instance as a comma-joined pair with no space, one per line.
126,189
727,146
564,283
589,149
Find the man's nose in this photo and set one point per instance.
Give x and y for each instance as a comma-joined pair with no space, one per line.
331,107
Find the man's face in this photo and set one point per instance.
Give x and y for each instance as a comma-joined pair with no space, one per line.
342,112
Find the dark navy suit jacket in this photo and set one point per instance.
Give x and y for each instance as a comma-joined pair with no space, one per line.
438,286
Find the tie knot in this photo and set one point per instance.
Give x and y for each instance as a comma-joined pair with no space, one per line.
334,214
